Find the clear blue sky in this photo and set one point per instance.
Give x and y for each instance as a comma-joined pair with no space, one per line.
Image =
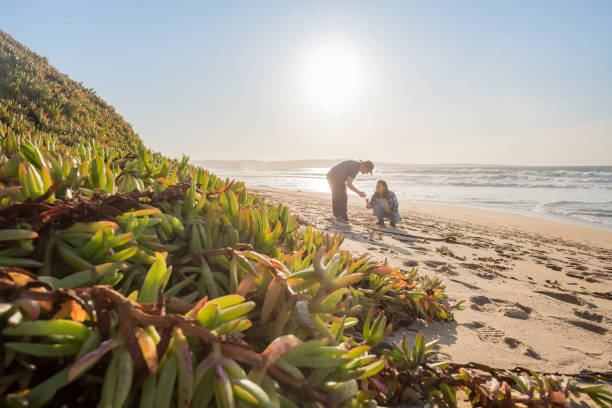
515,82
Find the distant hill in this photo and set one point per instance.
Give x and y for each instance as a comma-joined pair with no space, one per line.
265,165
301,164
36,99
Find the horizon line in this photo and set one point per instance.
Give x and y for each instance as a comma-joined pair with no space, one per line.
383,163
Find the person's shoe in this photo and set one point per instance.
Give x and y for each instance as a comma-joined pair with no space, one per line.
381,223
342,219
392,223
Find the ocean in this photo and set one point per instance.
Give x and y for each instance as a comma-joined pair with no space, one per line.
576,195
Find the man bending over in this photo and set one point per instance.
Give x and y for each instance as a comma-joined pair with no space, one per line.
340,177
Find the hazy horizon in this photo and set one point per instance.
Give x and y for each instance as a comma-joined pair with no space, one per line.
382,163
517,83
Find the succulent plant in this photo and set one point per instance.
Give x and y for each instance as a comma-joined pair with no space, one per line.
127,279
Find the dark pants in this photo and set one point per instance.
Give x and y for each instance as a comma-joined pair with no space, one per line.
339,198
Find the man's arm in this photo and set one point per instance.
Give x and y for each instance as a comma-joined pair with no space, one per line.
349,184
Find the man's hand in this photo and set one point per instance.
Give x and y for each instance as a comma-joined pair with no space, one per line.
349,184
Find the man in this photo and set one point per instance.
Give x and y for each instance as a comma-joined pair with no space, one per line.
340,177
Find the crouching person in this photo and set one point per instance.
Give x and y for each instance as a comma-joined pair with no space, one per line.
384,204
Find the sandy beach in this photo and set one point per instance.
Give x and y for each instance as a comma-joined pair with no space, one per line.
537,293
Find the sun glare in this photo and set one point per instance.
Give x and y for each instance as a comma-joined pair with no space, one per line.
333,77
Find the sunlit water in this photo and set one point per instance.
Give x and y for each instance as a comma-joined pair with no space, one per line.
578,195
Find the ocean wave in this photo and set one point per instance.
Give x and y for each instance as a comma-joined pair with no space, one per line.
598,212
503,184
579,203
576,193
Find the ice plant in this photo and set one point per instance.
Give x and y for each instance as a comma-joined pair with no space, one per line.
128,279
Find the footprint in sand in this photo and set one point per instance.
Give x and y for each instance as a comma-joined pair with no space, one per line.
489,334
564,297
485,332
533,354
483,301
486,304
588,326
512,342
434,264
595,328
594,317
516,313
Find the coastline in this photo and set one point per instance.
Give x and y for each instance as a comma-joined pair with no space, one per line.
537,292
525,222
572,195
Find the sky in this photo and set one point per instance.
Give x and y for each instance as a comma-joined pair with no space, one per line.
488,82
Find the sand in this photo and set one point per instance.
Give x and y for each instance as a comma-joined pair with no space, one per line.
537,293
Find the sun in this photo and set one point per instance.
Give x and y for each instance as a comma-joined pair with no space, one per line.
333,77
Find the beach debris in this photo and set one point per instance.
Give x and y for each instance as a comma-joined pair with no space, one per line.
445,251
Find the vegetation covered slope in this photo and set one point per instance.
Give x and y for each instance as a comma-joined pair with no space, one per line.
117,263
37,100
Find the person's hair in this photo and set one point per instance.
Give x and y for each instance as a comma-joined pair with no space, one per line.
385,193
368,165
